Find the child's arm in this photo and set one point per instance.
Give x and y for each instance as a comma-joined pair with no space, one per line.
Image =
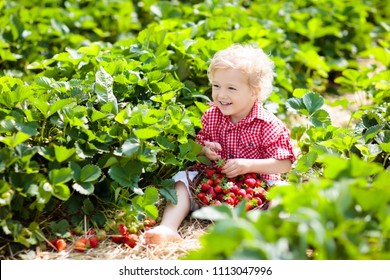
236,167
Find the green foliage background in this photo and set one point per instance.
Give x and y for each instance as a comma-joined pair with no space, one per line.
100,102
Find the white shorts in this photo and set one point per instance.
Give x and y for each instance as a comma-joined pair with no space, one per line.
181,176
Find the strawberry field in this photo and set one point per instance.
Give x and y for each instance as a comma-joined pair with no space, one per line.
100,102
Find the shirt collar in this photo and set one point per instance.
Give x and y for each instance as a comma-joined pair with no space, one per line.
257,112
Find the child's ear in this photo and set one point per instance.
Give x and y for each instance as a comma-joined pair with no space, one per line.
255,94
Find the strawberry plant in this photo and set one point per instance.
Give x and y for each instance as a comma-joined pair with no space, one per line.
341,215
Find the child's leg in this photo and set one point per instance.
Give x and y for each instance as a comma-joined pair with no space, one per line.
173,216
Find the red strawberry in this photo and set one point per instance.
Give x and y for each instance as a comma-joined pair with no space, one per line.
206,201
260,192
230,201
122,229
117,238
93,241
205,187
250,182
210,172
234,189
241,193
259,183
249,191
131,239
212,193
217,189
219,180
149,222
201,195
81,244
60,244
250,175
248,206
259,201
217,202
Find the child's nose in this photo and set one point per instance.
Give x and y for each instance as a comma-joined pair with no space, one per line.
223,92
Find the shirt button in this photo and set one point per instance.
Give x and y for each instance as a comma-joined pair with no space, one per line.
230,156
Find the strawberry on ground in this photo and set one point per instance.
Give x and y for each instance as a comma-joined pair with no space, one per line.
60,244
131,239
93,241
81,244
101,234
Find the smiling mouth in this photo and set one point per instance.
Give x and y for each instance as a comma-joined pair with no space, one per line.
225,103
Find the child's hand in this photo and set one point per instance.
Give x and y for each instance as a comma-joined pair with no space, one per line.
211,150
235,167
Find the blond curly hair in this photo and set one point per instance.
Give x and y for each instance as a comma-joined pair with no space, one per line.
250,60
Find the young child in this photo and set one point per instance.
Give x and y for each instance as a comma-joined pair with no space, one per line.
236,128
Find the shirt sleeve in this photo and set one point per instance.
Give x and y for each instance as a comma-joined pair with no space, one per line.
277,142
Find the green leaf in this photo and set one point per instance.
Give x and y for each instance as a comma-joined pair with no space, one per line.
151,211
15,139
59,104
164,143
125,177
334,166
61,227
6,193
362,168
104,90
385,147
62,153
154,76
296,104
88,206
320,118
76,170
168,191
61,191
150,196
306,161
92,50
85,188
312,102
300,92
44,82
130,147
146,133
369,151
372,131
59,176
213,213
97,115
89,173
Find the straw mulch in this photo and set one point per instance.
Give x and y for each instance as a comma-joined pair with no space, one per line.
190,231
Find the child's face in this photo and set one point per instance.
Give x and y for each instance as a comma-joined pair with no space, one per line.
232,94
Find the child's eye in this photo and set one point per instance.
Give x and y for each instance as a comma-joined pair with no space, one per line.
232,88
215,86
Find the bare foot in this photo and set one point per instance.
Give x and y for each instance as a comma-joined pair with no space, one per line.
161,234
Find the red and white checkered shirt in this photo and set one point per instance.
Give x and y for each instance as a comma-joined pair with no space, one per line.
259,135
